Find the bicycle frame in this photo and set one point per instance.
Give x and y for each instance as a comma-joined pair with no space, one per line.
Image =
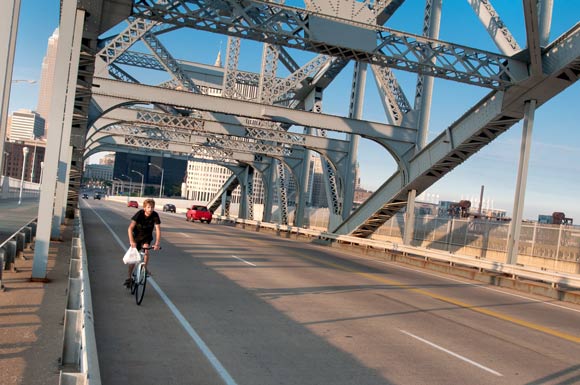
139,278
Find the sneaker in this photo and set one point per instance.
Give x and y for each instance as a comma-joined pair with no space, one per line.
127,282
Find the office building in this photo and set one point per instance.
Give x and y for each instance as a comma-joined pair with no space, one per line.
14,158
24,125
46,80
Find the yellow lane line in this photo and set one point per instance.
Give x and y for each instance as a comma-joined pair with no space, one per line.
491,313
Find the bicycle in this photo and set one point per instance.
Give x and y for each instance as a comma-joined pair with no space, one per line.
139,277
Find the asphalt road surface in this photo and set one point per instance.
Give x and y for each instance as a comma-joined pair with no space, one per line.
232,306
14,216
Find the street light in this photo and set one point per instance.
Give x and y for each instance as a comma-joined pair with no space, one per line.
5,164
41,172
161,184
130,184
116,190
25,153
142,177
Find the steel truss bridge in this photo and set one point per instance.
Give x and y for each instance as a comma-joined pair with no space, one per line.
270,124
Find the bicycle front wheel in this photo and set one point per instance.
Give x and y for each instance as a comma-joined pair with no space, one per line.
140,284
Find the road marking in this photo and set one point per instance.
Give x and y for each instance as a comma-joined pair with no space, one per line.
185,235
243,260
452,353
223,373
480,286
491,313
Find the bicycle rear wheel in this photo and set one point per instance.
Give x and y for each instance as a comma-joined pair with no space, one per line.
141,283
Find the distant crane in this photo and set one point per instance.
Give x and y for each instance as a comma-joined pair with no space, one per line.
29,81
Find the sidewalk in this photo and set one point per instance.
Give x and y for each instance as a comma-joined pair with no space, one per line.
31,318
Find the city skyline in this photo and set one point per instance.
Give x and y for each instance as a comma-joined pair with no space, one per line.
551,184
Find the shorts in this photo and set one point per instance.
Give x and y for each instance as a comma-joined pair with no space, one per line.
141,242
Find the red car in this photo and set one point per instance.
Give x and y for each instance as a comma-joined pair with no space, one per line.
198,213
133,204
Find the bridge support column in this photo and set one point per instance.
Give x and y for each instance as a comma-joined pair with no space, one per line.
516,224
9,15
269,180
410,218
67,58
356,107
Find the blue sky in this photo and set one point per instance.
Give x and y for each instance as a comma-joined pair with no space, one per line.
553,182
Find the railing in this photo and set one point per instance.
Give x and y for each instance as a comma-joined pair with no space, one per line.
556,279
10,188
14,247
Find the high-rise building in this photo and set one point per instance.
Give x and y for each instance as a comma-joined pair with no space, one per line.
24,125
46,79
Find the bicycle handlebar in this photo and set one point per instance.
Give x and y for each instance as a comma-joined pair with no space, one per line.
150,248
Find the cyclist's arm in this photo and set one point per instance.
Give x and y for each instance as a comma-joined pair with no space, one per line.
130,233
157,236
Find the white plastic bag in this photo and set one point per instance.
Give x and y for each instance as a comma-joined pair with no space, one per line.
131,256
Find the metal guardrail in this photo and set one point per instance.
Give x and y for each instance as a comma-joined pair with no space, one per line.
79,353
556,279
14,247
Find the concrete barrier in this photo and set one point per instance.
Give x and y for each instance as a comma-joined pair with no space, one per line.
2,253
80,365
15,245
10,247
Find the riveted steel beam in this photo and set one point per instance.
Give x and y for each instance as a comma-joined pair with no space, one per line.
302,29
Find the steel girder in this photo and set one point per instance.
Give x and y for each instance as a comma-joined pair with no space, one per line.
111,94
395,103
307,30
169,63
183,129
153,138
492,116
497,29
154,145
136,29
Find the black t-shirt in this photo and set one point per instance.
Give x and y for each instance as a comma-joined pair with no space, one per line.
143,230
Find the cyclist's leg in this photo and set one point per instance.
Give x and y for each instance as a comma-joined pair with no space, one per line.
146,256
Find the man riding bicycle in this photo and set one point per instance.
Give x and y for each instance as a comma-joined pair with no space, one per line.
141,232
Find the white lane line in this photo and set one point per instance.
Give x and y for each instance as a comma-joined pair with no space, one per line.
243,260
223,373
452,353
185,235
477,285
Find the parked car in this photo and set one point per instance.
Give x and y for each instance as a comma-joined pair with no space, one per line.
198,213
97,196
169,207
85,196
133,204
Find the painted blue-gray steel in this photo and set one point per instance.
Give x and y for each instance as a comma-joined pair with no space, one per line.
492,116
306,30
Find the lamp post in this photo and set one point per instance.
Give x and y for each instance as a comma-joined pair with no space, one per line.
142,177
25,153
41,172
5,164
116,190
130,185
161,184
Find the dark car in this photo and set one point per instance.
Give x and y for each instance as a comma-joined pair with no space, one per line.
169,207
97,196
198,213
85,196
133,204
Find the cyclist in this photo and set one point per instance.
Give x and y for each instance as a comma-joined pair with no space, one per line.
141,231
